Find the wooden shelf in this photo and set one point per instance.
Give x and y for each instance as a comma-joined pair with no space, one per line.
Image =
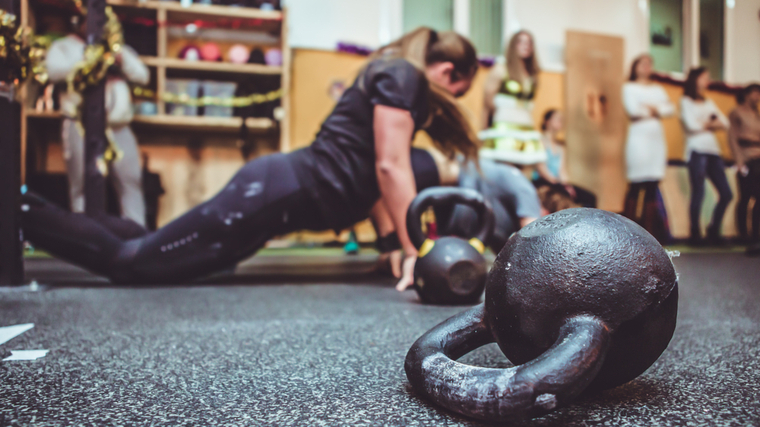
219,67
194,123
175,8
202,123
43,114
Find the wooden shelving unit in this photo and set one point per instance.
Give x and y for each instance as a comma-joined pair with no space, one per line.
169,12
44,114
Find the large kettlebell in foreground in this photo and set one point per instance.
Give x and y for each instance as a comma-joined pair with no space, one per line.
579,300
450,270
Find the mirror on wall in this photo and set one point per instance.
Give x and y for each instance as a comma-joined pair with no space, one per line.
670,37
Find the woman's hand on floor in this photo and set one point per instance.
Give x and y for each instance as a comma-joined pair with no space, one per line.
391,261
407,270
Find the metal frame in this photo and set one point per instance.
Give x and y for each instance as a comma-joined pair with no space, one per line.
11,253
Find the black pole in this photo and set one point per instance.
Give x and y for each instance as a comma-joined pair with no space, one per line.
94,120
11,255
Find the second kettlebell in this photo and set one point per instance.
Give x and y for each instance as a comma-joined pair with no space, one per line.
449,270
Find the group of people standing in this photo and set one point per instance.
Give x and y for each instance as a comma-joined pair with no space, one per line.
646,104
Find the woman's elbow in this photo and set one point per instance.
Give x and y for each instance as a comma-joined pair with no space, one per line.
386,168
389,167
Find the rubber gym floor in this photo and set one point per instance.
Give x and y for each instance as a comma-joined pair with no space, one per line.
313,338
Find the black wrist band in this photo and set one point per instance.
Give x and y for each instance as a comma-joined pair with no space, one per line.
388,243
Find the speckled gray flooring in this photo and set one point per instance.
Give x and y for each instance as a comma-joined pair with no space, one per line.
332,354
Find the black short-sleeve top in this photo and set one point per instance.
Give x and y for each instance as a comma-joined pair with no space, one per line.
338,169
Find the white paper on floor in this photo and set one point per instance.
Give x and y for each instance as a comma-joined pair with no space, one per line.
26,355
7,333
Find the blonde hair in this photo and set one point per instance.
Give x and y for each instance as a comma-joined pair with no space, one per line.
447,125
518,68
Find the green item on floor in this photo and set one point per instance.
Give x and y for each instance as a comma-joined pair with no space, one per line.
352,246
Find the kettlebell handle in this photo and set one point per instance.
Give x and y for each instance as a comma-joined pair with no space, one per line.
446,196
499,395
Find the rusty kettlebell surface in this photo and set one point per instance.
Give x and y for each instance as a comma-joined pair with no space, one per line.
579,300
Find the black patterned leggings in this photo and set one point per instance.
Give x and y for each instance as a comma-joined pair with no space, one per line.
263,200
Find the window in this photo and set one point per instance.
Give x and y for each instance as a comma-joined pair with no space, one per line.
487,26
436,14
688,33
482,21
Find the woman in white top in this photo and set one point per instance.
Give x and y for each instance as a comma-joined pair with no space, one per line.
62,57
646,103
701,118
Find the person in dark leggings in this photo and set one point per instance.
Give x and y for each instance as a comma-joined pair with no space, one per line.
701,118
744,139
553,172
512,196
359,160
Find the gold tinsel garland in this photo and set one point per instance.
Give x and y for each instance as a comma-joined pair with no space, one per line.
21,53
98,57
184,99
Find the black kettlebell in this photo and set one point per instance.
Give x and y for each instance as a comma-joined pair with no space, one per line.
579,300
450,270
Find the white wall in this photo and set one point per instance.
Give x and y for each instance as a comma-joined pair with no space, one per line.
742,60
322,24
549,20
372,23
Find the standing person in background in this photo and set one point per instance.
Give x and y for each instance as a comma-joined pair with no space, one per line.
508,105
62,58
553,172
744,139
646,104
701,118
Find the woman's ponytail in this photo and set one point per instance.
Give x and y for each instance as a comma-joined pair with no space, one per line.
447,125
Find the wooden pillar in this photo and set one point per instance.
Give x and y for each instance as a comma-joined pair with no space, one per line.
94,120
11,260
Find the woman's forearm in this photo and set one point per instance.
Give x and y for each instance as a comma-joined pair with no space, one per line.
393,179
382,220
394,129
544,173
